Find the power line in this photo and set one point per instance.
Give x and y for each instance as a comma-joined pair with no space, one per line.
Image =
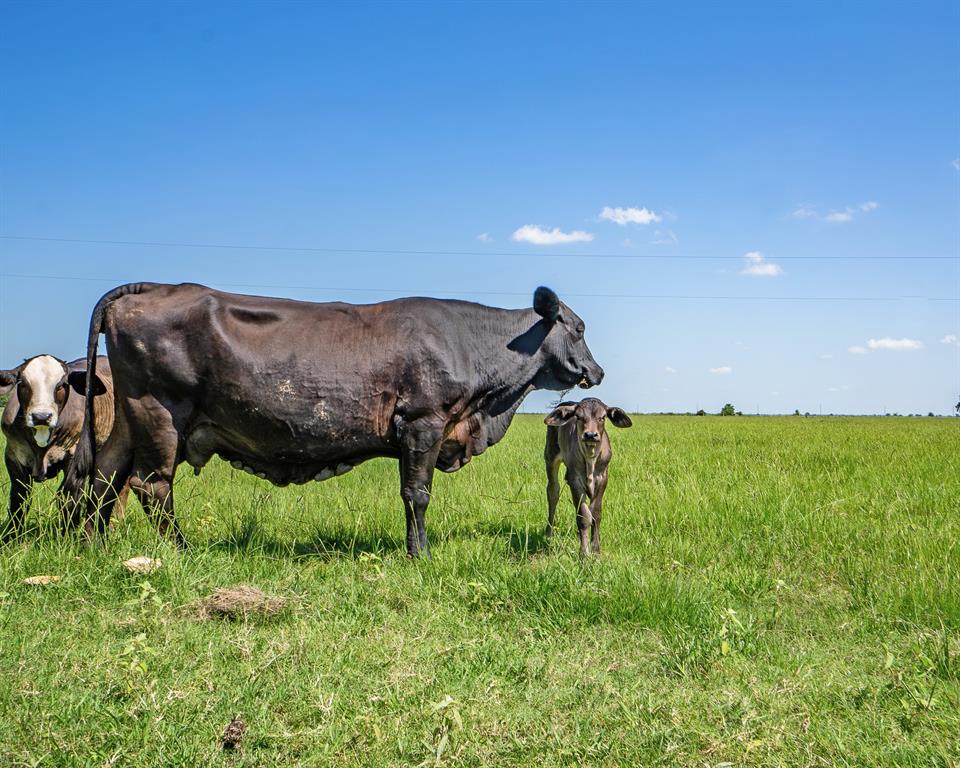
412,291
507,254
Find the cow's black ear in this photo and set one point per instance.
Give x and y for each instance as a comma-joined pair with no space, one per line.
546,303
78,381
8,379
618,417
560,415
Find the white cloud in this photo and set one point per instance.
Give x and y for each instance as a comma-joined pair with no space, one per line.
670,369
624,216
956,163
484,237
532,233
894,344
951,338
722,370
840,217
757,264
826,357
870,205
665,237
804,212
856,350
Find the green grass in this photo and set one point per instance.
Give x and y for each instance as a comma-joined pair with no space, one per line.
772,591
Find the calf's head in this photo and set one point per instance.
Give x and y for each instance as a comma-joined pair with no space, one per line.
568,361
590,416
43,386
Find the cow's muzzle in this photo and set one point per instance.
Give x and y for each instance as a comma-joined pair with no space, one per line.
591,377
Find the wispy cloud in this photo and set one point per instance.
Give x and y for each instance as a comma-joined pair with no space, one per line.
894,344
857,350
951,339
723,370
665,237
624,216
757,265
956,163
839,216
826,357
670,369
533,233
484,237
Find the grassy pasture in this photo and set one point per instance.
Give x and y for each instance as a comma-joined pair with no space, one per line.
773,591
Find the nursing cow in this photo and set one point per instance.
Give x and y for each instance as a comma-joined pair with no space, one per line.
43,419
295,391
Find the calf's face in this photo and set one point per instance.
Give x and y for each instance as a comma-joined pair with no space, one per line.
43,385
590,416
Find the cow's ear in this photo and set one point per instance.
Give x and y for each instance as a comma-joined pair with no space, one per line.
560,415
546,304
78,381
8,379
618,417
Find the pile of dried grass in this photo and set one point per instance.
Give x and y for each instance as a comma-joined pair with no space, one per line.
239,601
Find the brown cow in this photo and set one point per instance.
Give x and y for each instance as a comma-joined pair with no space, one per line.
42,422
577,437
294,391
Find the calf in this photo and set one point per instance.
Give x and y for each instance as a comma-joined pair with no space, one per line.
42,422
577,437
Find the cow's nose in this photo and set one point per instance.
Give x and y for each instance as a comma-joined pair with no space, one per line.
41,418
591,437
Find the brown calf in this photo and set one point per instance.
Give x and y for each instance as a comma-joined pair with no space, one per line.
577,437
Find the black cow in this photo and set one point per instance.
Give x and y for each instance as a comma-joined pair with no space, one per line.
295,391
42,422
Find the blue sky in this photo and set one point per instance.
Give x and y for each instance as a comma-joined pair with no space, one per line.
730,143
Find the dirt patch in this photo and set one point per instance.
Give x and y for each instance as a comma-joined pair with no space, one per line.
239,601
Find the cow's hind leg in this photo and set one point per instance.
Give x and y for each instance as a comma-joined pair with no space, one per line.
418,458
114,463
156,496
157,454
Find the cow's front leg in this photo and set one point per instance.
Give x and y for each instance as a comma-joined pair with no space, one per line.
418,458
581,500
19,492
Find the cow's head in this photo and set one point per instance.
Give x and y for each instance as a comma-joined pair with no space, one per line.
568,361
43,385
591,416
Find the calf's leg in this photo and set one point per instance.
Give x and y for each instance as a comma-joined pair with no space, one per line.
581,500
553,491
597,513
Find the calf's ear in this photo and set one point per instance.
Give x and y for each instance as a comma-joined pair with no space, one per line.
8,379
618,417
560,415
546,303
78,381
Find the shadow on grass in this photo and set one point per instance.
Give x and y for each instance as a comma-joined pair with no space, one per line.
521,542
247,537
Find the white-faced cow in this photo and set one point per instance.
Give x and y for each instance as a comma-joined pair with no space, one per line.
295,391
42,422
577,437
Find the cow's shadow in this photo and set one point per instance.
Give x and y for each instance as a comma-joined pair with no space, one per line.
247,537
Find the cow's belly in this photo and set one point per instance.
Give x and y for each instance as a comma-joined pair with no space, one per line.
286,451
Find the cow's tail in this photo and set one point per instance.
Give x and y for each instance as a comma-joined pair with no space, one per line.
81,468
